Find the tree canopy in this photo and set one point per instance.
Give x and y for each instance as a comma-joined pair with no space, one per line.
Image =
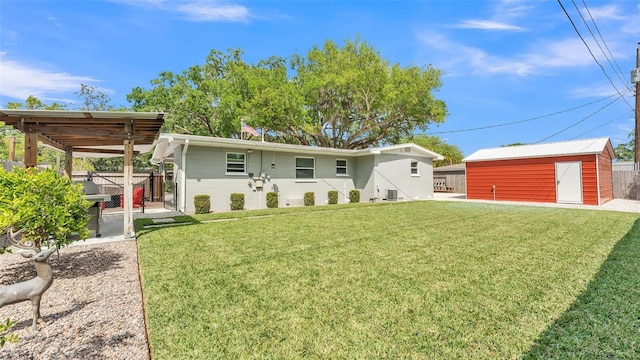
626,151
341,97
452,154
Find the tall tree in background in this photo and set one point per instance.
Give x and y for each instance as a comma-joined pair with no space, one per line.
204,99
341,97
625,151
452,154
93,99
355,99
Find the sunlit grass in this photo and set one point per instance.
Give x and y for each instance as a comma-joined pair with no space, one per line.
405,280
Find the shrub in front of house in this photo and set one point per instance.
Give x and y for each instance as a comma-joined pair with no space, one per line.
202,203
333,196
272,200
49,208
237,201
309,198
354,196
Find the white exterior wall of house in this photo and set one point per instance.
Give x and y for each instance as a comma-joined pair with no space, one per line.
364,178
206,175
202,170
393,172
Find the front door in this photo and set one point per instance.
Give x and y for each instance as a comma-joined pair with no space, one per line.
569,182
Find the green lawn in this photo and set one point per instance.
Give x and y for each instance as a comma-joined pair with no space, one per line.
414,280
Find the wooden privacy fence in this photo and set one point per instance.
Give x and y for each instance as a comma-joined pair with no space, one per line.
625,184
450,183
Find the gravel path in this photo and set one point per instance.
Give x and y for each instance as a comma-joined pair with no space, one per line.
93,309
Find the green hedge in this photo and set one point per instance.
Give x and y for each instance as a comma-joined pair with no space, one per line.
354,196
333,196
202,203
272,200
309,198
237,201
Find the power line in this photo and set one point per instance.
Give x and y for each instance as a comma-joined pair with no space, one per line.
590,52
602,125
616,69
522,121
577,122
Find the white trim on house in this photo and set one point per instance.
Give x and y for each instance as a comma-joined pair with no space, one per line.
561,148
167,143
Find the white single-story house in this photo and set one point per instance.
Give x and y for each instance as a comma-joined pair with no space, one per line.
219,167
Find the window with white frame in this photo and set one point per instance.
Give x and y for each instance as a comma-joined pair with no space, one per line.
414,168
341,167
236,163
305,167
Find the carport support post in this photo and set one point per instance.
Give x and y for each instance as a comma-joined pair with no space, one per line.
129,232
30,149
68,161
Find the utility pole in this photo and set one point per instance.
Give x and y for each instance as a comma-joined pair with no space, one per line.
636,80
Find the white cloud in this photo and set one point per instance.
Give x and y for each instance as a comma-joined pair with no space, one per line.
454,56
608,12
212,11
20,80
487,25
541,57
197,10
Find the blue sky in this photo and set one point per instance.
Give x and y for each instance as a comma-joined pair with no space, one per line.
504,61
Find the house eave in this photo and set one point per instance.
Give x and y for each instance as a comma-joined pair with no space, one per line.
163,151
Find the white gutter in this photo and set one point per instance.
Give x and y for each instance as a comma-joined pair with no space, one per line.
183,181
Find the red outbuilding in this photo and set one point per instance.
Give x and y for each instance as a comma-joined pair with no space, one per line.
572,172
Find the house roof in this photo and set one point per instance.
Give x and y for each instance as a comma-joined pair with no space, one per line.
167,143
562,148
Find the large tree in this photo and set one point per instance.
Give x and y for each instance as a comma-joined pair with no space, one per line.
354,98
204,99
341,97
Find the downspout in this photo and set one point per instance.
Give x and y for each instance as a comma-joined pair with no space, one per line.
183,184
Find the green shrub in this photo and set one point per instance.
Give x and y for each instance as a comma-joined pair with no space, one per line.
202,203
272,200
354,196
333,196
237,201
309,198
7,338
49,208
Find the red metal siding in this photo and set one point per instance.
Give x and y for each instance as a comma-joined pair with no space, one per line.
527,179
606,174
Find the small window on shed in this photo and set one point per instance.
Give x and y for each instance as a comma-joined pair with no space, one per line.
341,167
414,168
236,163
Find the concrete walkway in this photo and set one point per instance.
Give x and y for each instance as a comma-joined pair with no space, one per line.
112,225
613,205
